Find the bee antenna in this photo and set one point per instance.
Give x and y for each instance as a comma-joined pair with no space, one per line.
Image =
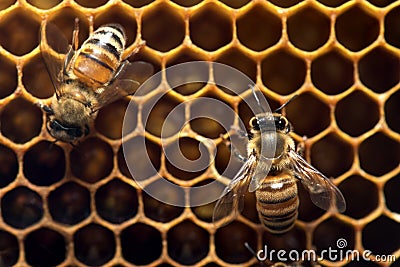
256,97
251,250
278,110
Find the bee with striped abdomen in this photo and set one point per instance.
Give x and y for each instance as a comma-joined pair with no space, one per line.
86,78
274,175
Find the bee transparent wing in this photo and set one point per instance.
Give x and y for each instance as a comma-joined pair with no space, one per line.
323,192
231,199
261,170
54,48
128,80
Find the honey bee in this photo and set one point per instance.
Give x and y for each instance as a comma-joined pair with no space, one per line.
87,78
274,178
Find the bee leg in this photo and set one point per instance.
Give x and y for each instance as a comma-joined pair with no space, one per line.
301,147
120,69
46,108
75,38
234,150
239,132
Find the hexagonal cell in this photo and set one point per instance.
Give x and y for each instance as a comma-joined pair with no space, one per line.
156,199
308,29
44,4
36,78
332,72
362,196
235,4
207,127
155,114
379,154
69,204
20,120
186,158
210,27
333,3
130,155
141,244
21,207
250,207
7,3
64,20
240,62
329,233
9,249
285,4
229,242
117,14
187,243
257,38
392,31
44,163
211,116
350,113
9,167
207,192
308,115
307,211
18,32
283,72
294,240
374,231
356,28
138,3
8,77
379,70
391,194
116,201
163,27
381,3
392,109
91,4
44,247
187,3
189,78
110,119
94,244
92,160
332,155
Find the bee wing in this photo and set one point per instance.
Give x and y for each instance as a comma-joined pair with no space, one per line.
232,197
130,77
54,48
323,192
260,172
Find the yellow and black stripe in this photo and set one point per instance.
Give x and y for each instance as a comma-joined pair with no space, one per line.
100,55
277,203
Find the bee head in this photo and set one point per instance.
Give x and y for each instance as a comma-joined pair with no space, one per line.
265,122
66,133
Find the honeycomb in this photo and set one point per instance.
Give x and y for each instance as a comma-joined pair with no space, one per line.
64,205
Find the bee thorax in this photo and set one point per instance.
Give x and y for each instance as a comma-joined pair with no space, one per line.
71,112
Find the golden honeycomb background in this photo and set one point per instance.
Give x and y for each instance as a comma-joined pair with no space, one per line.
79,206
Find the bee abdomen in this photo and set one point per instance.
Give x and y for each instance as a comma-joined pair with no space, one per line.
277,205
100,55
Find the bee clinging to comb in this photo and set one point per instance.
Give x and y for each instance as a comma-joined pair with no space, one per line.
87,78
273,176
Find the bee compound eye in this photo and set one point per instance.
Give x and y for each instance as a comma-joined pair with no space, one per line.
281,123
254,123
